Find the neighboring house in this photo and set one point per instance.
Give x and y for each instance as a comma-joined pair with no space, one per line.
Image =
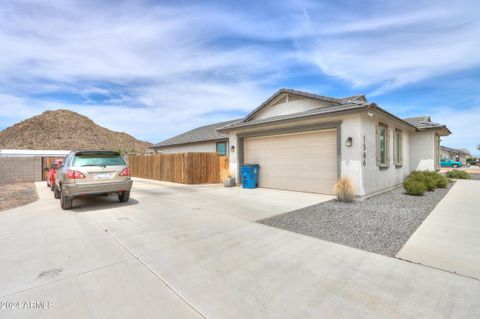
305,142
459,155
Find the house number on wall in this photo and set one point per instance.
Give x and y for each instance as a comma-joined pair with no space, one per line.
364,150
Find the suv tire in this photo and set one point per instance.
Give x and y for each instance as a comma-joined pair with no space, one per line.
65,202
455,166
124,196
56,192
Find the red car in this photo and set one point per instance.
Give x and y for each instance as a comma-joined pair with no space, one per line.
51,173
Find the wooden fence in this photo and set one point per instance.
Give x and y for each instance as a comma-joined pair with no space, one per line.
185,168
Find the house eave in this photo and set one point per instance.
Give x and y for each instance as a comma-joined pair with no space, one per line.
294,118
374,106
443,130
371,106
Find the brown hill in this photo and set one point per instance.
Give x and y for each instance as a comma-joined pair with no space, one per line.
66,130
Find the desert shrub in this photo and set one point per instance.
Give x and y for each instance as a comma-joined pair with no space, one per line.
344,189
429,181
424,177
458,174
439,179
442,182
414,187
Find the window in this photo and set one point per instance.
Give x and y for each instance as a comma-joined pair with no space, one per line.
383,137
97,160
383,142
398,148
222,148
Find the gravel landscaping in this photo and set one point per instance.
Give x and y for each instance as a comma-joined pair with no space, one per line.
381,224
17,194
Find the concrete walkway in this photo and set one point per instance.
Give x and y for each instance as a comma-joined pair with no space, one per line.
178,251
449,238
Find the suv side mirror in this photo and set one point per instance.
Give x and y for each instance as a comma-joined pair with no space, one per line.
54,166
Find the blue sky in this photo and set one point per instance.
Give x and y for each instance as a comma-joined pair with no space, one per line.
157,68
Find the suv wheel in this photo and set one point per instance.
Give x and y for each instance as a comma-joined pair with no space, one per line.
65,202
56,192
455,166
124,196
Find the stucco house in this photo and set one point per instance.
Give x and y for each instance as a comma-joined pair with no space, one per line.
305,142
459,155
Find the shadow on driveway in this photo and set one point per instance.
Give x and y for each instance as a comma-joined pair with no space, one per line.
80,205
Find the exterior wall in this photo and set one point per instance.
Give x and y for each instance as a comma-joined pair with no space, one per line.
350,161
20,169
375,178
194,147
422,151
351,157
290,107
234,159
446,154
367,177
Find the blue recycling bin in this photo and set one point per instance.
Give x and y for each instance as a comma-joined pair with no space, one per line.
249,174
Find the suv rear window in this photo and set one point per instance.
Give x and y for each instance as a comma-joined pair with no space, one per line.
97,160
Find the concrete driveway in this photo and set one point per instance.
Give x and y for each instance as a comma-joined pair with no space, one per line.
178,251
449,238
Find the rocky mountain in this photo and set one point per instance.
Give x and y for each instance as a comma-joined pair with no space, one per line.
66,130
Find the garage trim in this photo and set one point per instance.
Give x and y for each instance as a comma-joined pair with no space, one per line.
297,129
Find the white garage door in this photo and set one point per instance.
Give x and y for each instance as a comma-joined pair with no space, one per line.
301,162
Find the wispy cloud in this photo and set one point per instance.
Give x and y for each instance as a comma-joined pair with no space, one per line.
383,47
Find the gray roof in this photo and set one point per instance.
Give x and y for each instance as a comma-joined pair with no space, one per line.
200,134
455,150
423,122
465,151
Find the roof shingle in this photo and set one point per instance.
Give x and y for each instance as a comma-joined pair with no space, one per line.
199,134
423,122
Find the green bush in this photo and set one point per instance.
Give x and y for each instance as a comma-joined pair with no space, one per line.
426,178
441,181
414,187
420,181
458,174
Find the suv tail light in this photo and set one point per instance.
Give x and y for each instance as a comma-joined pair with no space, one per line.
125,172
71,174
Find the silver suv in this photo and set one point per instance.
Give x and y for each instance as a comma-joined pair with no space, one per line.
92,173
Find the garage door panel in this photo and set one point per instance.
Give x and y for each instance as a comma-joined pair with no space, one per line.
301,162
